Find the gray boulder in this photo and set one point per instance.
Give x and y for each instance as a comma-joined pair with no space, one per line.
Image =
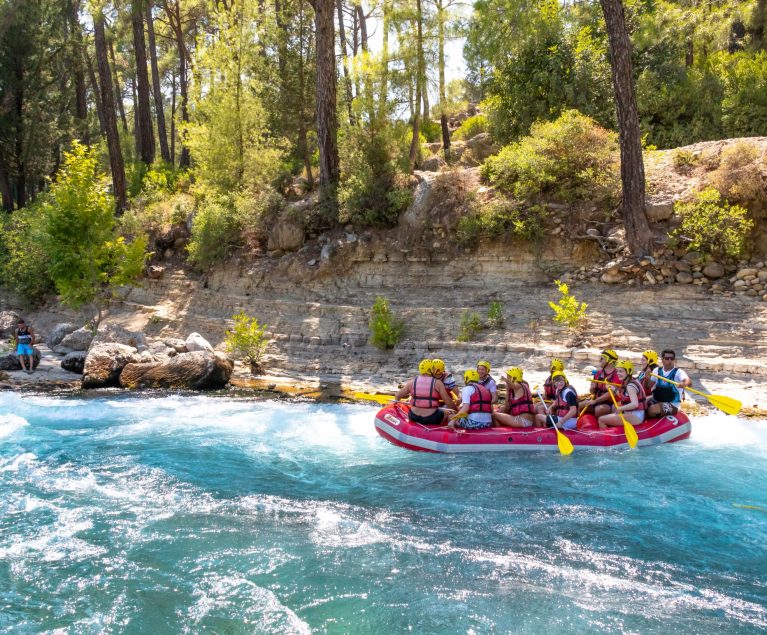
434,163
713,270
196,342
78,340
118,335
176,344
59,332
659,209
9,361
9,321
74,362
482,146
104,363
200,370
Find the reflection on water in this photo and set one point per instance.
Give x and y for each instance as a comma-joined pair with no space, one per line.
185,513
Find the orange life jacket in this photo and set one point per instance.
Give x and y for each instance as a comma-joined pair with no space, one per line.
424,394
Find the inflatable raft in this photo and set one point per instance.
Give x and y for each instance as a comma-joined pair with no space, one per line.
393,425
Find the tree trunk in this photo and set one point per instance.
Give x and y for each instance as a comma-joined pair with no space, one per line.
113,140
418,79
159,104
81,100
96,95
145,132
345,60
173,11
327,124
173,119
118,90
383,98
303,144
6,196
363,27
441,19
638,234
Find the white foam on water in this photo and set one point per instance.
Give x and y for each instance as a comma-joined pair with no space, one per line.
10,424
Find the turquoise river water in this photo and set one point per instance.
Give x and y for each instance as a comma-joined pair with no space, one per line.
188,514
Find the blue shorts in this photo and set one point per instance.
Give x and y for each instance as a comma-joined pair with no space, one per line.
24,349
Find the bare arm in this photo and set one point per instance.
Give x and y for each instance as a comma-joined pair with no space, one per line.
404,391
445,396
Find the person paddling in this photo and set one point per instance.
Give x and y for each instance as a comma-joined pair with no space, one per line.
601,404
666,397
426,392
518,410
476,410
630,396
563,411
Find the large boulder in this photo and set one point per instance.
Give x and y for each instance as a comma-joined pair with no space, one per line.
119,335
417,215
59,332
713,270
176,344
659,208
196,342
200,370
104,363
10,361
482,146
286,233
74,362
9,322
434,163
79,340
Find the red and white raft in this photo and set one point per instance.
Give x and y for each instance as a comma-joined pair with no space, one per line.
393,425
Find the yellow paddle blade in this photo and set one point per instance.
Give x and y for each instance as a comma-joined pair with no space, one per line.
631,434
563,443
728,405
382,399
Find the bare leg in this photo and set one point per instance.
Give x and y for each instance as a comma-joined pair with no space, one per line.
511,421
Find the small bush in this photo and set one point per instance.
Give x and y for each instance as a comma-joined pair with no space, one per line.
469,327
431,130
569,159
713,226
567,310
157,215
495,315
737,178
683,161
214,231
385,329
246,338
472,127
498,219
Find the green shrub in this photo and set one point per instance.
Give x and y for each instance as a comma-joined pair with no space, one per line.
214,231
495,315
498,219
472,127
568,310
430,130
683,160
246,338
23,258
738,179
569,159
469,327
713,226
385,328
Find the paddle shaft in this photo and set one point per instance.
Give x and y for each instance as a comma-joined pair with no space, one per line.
628,429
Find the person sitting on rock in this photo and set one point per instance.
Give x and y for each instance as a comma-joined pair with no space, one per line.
25,337
601,403
486,380
426,392
667,398
518,411
438,371
549,392
649,366
630,396
563,411
476,411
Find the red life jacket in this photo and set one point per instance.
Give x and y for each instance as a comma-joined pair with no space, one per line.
424,394
601,389
549,390
522,404
481,399
561,407
624,398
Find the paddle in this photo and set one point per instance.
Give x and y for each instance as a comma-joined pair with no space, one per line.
608,383
382,399
563,443
728,405
628,429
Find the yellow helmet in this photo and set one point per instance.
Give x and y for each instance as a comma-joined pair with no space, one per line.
470,375
650,356
425,367
515,374
558,373
557,364
626,365
437,366
609,355
485,364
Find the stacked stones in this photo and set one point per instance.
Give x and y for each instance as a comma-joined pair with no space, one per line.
751,281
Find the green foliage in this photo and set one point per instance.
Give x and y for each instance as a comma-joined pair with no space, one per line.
713,226
738,176
469,327
472,127
568,310
373,188
385,328
683,160
569,159
498,219
87,258
430,130
246,339
495,315
23,259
